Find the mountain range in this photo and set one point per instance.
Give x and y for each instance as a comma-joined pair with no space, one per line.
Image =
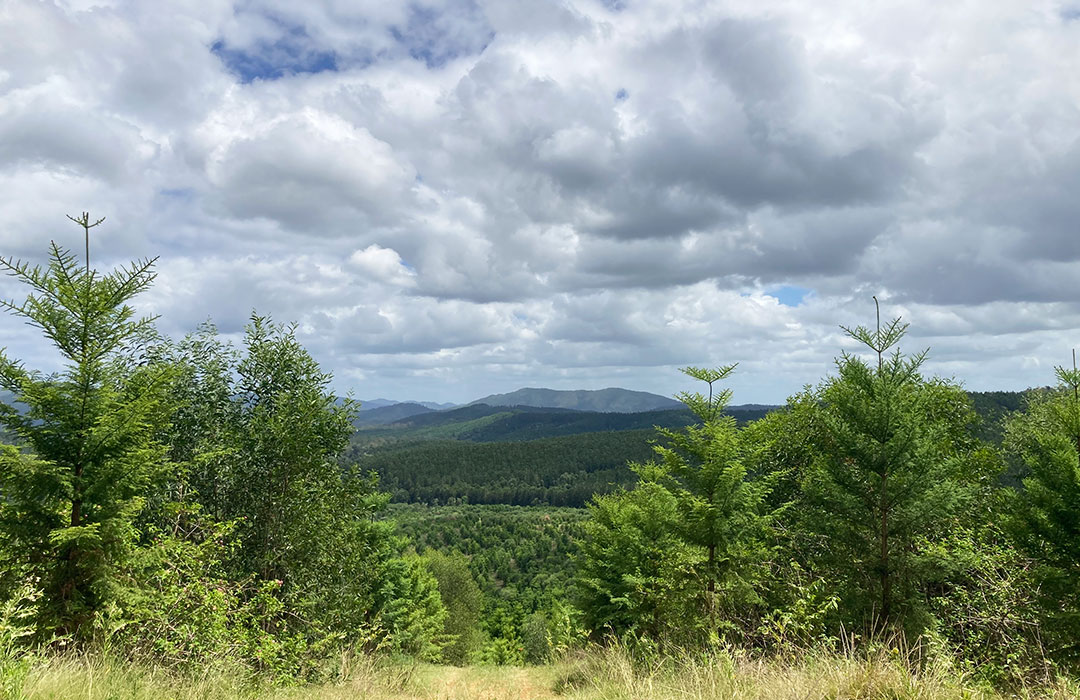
611,400
371,404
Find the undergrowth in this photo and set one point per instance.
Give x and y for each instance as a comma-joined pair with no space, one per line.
611,673
617,673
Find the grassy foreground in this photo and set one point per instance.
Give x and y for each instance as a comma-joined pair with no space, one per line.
598,675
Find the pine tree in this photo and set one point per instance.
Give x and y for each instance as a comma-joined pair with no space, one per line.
721,507
1045,521
67,511
463,601
681,554
889,470
635,572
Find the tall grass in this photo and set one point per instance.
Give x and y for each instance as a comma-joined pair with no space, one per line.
615,673
612,673
96,677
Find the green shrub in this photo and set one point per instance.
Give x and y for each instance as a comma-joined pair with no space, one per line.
463,601
17,625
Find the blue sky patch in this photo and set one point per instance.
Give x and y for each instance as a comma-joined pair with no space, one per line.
291,53
437,38
182,193
426,35
621,95
789,295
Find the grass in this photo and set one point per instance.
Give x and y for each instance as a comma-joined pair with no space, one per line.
595,675
813,676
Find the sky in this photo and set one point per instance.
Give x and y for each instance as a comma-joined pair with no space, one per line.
452,198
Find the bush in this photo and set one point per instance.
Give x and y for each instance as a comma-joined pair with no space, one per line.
17,625
463,601
180,609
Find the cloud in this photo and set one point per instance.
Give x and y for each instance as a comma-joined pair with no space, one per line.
456,197
37,130
307,170
384,265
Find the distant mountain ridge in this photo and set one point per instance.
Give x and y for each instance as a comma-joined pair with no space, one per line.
611,400
389,413
372,404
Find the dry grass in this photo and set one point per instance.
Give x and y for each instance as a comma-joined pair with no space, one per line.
94,679
612,676
595,675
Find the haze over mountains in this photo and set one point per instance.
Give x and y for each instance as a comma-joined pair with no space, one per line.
529,414
529,455
369,404
533,413
610,400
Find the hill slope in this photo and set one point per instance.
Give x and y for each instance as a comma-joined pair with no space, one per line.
601,400
392,413
561,471
483,423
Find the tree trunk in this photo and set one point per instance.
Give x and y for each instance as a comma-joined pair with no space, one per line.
883,563
710,586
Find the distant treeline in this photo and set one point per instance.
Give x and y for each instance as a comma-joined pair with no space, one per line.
563,471
483,423
534,456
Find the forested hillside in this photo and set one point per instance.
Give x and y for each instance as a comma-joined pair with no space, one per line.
483,423
393,413
994,407
522,559
516,456
531,456
563,471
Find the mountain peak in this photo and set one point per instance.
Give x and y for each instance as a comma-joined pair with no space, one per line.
610,400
